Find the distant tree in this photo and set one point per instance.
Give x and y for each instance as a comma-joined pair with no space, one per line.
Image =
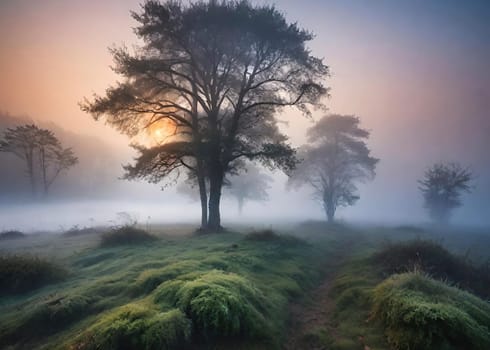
334,161
220,71
251,185
22,142
41,150
442,187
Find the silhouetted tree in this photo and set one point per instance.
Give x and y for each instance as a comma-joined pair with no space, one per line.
40,149
334,161
251,185
442,187
220,71
22,142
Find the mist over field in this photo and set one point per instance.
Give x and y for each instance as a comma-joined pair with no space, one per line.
244,174
419,83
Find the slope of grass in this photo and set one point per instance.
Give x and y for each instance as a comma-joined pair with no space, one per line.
20,274
435,260
195,291
421,313
412,311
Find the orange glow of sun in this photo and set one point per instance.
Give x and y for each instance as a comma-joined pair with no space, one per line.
161,131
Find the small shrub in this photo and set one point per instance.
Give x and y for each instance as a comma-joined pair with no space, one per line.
434,260
11,235
77,231
19,274
421,313
126,235
137,327
264,235
271,236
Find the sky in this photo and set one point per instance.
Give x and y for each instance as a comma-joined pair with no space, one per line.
415,72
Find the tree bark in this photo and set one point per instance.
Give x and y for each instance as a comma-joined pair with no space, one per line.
203,196
329,210
215,185
240,201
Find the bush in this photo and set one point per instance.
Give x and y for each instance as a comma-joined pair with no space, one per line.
421,313
271,236
137,327
19,274
11,235
436,261
219,304
126,235
77,231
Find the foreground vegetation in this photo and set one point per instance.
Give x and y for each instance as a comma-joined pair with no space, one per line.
170,292
128,289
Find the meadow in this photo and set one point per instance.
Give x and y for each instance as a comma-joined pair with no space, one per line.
305,286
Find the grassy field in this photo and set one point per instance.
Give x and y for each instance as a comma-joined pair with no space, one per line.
179,290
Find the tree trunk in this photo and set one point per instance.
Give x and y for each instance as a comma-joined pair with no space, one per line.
240,205
329,210
30,171
203,196
215,182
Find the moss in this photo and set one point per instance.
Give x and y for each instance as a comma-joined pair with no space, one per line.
421,313
20,274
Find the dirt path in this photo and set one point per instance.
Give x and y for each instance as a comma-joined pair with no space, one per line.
311,326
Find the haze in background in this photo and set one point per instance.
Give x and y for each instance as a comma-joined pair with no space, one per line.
416,72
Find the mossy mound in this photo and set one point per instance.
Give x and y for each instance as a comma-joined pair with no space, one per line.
137,326
20,274
6,235
219,304
434,260
421,313
126,235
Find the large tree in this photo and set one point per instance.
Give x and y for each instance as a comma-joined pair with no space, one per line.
334,161
442,187
220,72
42,152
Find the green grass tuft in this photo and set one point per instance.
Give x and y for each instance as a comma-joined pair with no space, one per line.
219,304
136,326
5,235
421,313
20,274
436,261
126,235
